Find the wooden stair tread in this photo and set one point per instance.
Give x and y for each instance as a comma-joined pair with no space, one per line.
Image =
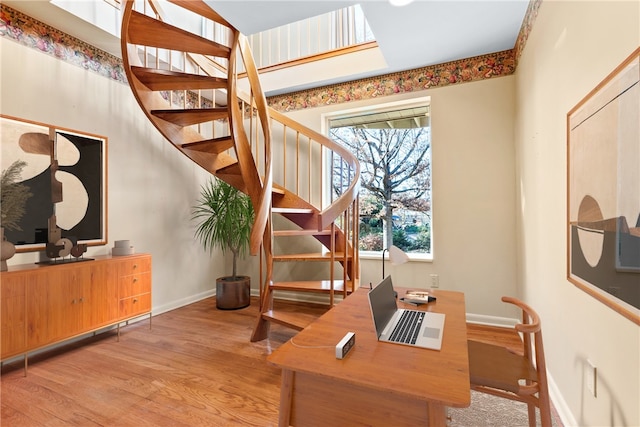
214,146
277,191
316,256
232,169
158,80
147,31
292,210
302,232
191,116
202,9
502,336
322,286
294,320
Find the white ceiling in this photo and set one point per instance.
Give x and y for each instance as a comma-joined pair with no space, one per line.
425,32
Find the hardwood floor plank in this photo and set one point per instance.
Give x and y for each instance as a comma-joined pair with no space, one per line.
41,404
14,418
148,413
195,366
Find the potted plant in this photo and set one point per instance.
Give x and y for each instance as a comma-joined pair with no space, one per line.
13,198
225,217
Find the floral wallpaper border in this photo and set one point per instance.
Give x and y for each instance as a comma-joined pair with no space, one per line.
527,24
462,71
31,33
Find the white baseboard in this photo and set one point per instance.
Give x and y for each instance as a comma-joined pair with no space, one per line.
182,302
565,414
481,319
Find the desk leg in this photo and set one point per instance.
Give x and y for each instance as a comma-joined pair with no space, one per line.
437,415
286,394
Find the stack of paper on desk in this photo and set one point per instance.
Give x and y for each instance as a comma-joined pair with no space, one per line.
417,297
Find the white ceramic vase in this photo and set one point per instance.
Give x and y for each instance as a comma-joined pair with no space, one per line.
7,250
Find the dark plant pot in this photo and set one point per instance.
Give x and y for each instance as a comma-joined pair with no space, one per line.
233,293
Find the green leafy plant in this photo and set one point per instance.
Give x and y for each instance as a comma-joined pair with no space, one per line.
225,217
13,196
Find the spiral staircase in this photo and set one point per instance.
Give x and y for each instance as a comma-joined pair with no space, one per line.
194,76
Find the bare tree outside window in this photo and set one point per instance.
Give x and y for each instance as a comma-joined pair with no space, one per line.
394,151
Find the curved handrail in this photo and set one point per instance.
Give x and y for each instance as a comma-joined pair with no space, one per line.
259,193
262,204
257,181
343,202
149,99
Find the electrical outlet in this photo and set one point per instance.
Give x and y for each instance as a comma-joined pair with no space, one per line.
592,378
435,281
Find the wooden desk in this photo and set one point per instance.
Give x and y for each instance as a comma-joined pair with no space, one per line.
376,383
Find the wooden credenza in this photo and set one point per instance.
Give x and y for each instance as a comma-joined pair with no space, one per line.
44,305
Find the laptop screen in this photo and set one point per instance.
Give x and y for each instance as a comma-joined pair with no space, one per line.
382,301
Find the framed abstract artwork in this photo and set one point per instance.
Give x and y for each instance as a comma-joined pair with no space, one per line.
603,195
66,173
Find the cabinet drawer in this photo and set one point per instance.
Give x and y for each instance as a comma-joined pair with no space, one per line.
134,266
134,284
135,305
44,305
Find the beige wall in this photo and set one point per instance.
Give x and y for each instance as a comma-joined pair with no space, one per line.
151,185
573,46
499,191
473,193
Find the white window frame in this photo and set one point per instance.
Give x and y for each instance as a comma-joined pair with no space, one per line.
378,108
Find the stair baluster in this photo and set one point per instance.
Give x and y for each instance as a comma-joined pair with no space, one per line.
187,85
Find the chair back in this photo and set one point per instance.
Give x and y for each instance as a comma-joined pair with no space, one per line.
531,331
518,373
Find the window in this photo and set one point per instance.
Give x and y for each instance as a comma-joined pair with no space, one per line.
393,145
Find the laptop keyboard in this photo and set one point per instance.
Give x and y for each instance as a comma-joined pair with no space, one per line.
406,331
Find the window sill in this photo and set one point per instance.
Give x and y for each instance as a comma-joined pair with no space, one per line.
412,257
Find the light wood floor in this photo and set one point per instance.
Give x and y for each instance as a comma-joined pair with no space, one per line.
195,366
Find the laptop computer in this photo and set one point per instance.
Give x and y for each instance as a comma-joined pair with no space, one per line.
403,326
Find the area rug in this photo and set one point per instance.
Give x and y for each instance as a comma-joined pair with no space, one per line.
491,411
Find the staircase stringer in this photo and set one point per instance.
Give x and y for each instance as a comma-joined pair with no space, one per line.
262,202
177,135
259,189
243,165
343,210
